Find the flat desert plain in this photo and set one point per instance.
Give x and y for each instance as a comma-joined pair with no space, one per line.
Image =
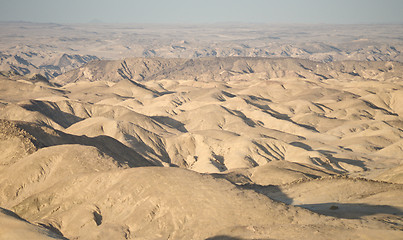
303,140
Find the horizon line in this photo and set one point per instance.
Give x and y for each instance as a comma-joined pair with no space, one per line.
96,22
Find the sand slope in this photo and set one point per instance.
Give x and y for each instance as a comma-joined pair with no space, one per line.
160,208
250,148
14,227
344,198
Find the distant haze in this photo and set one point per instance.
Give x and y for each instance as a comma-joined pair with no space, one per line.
206,11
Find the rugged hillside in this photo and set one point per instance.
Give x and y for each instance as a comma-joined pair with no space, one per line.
224,69
198,149
146,203
52,49
45,63
242,120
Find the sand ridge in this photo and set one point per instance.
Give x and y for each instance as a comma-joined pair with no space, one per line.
206,148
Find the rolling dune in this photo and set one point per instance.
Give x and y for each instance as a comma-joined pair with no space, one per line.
207,148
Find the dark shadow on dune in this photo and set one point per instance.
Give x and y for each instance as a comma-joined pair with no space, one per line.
112,147
256,98
227,94
329,155
351,210
170,122
271,191
334,209
305,126
242,116
218,162
115,149
247,120
238,179
373,106
301,145
50,227
336,160
52,111
11,214
143,148
280,116
279,154
266,109
144,87
315,169
242,181
167,92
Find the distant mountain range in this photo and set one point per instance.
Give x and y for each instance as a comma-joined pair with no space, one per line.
52,49
47,65
225,69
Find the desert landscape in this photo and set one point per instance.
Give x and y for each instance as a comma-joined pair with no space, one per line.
246,131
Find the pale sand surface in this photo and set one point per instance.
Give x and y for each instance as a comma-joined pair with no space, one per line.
209,148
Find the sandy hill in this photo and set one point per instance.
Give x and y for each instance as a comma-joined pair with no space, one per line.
14,227
352,198
22,138
208,148
160,208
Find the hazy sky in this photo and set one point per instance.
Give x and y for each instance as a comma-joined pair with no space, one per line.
203,11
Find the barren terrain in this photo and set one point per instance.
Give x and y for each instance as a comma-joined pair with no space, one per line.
231,146
51,49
